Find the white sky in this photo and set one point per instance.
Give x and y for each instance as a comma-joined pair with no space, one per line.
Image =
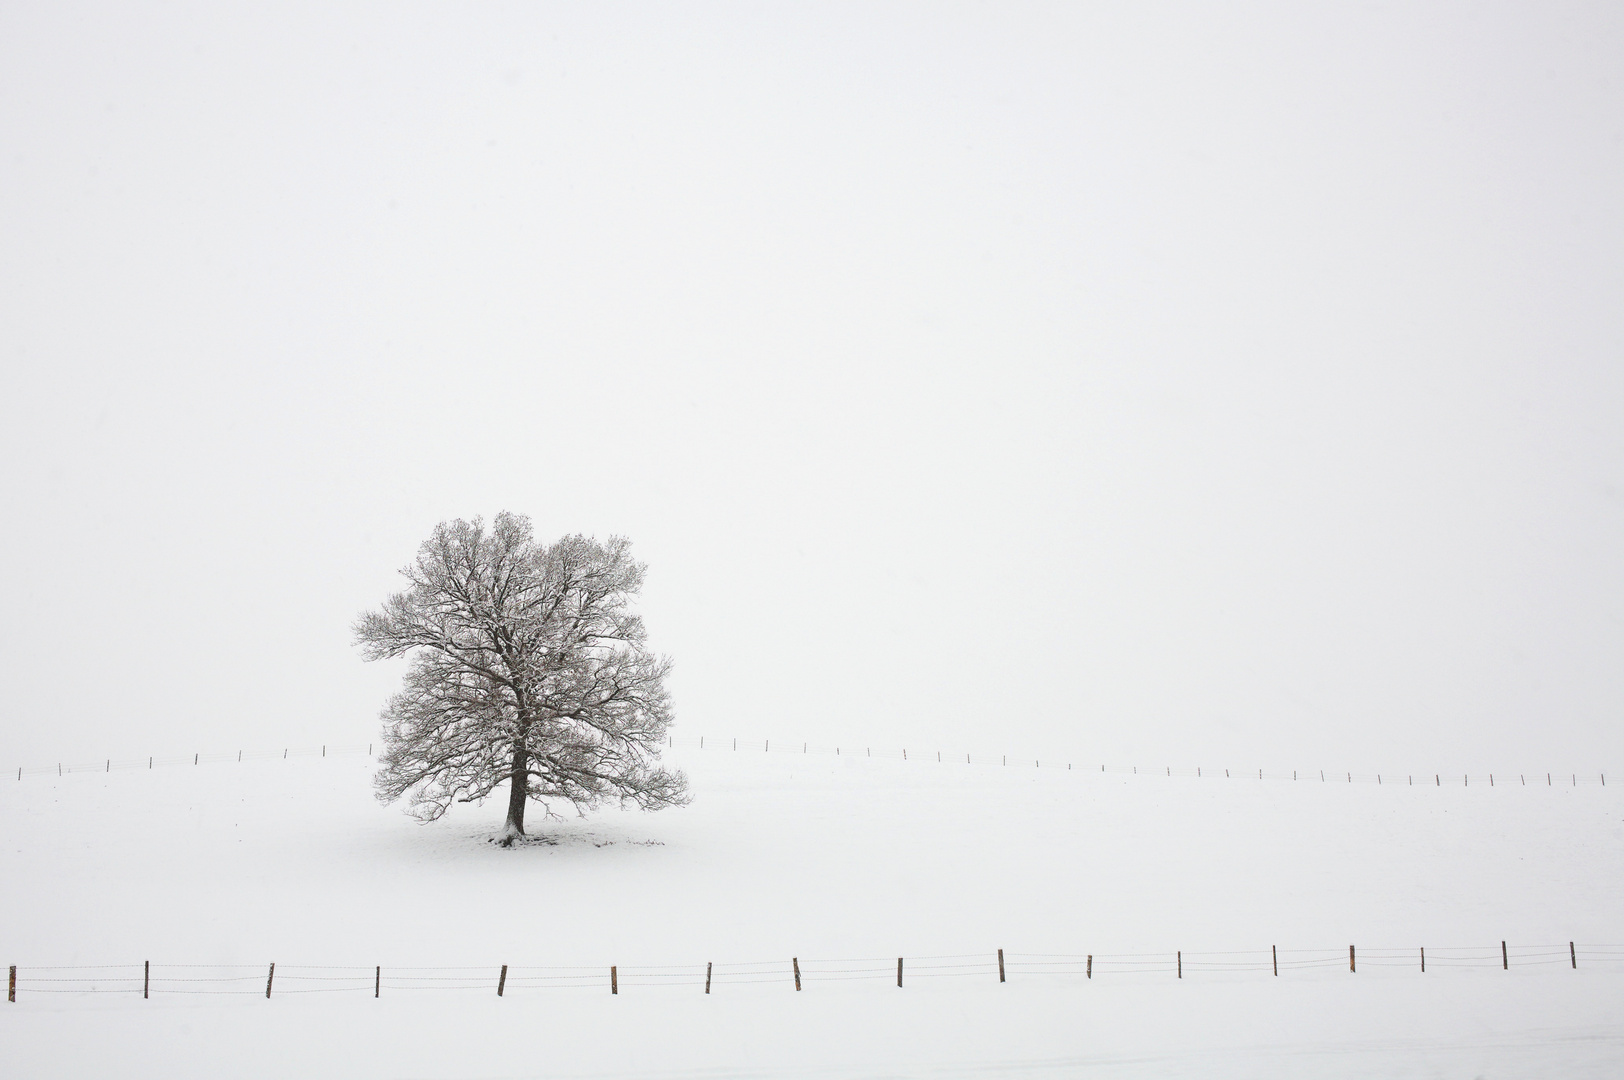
1134,383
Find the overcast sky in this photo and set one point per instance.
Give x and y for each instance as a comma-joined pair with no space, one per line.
1236,385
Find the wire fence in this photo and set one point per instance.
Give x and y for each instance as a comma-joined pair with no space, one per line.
149,979
111,765
1324,776
940,757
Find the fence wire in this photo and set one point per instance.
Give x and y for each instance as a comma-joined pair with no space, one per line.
956,757
158,979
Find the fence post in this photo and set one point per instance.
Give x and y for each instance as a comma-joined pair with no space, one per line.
377,981
11,987
1423,960
1274,955
146,978
1000,965
1090,965
796,962
707,976
501,981
1180,956
1505,962
1572,955
899,971
614,980
269,977
1351,966
195,757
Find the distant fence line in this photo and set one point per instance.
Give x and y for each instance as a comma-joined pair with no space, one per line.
148,979
109,765
701,742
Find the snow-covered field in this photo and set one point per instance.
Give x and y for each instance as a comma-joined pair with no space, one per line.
845,863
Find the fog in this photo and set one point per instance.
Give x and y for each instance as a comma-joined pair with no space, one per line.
1135,384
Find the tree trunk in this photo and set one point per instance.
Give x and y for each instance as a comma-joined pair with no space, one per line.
518,795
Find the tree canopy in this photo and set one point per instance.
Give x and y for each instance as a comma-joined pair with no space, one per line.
527,666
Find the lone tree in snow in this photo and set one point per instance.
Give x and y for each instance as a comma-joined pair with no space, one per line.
527,667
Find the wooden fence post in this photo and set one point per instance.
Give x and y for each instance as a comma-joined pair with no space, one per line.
1180,956
146,978
377,981
1274,955
1351,966
796,962
269,977
11,987
1090,969
1572,955
1423,960
1000,965
899,971
1505,962
707,976
614,980
501,981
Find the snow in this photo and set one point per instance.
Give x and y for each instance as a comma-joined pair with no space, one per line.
824,859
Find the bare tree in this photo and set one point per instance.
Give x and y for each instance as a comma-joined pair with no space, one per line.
527,667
